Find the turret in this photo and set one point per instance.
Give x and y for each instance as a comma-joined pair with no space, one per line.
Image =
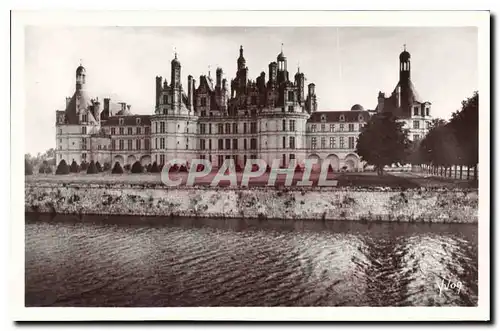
158,90
299,81
80,78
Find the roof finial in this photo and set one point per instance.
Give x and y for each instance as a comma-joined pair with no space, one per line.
80,62
209,70
404,45
281,47
298,67
175,52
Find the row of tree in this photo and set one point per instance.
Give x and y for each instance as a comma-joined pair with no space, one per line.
383,141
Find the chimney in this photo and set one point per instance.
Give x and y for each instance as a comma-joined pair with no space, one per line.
68,100
218,82
190,92
381,100
158,90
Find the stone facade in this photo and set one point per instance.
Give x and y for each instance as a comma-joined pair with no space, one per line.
270,119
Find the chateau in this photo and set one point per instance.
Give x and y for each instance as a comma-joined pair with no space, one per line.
267,118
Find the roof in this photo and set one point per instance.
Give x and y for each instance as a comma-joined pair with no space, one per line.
334,116
79,102
414,96
357,107
128,120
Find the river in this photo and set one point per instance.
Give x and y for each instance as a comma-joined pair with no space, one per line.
164,262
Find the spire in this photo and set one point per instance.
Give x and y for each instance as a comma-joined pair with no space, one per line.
404,46
298,67
209,70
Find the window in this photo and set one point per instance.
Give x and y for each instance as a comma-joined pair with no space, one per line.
341,127
221,144
427,111
342,118
162,143
209,143
156,143
313,143
120,121
228,128
313,128
162,159
244,128
228,143
292,125
332,127
290,96
253,143
332,142
60,131
138,144
415,111
156,127
165,99
146,143
292,156
323,127
202,128
202,144
416,124
84,156
416,137
283,125
84,143
138,130
84,130
220,160
323,142
351,142
220,128
351,127
146,130
253,127
210,128
129,144
244,144
235,127
121,144
129,131
283,158
113,131
341,142
113,145
84,118
203,101
284,142
162,127
290,109
292,142
235,143
122,131
138,121
428,124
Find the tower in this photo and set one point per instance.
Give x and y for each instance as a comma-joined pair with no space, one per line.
299,81
176,83
282,71
80,78
241,60
404,82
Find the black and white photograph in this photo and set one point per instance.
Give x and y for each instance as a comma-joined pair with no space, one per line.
297,160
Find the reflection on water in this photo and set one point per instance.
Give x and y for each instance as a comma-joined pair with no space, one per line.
136,261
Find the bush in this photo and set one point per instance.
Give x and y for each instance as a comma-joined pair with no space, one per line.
298,168
74,167
98,166
137,168
62,168
127,167
117,169
28,168
154,167
84,165
92,169
268,168
106,166
148,167
182,168
173,168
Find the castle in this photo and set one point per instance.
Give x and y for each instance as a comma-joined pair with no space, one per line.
216,120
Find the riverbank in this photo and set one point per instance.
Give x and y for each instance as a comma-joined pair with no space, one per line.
437,204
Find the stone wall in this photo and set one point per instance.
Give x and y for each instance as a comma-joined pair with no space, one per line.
419,205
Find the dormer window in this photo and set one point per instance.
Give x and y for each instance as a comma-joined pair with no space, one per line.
323,118
121,121
427,111
138,121
361,118
342,118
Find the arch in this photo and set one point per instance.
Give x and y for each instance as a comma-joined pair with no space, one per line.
317,166
352,162
131,159
334,161
119,159
145,160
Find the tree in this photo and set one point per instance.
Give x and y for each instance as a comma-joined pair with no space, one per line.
28,168
137,168
74,167
154,168
382,141
117,169
62,168
84,165
107,166
98,166
92,169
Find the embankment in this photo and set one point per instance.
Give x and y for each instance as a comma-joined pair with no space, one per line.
413,205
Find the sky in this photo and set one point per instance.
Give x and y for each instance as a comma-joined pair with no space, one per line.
348,65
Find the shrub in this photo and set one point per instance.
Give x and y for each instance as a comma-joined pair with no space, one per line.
161,167
268,168
182,168
106,166
92,169
137,168
98,166
154,167
84,165
173,168
298,168
330,168
62,168
148,167
117,169
28,168
74,167
127,167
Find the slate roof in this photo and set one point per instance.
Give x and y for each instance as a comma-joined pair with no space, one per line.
80,102
334,116
128,120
